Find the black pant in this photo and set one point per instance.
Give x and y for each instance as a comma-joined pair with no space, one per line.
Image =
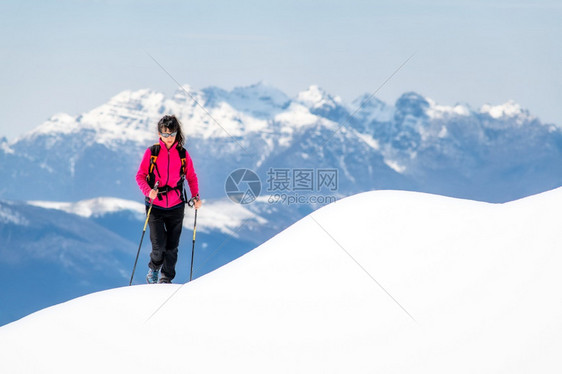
165,230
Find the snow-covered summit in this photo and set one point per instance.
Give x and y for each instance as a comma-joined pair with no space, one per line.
5,146
369,108
185,93
60,123
260,100
125,117
508,110
407,282
411,104
315,98
442,111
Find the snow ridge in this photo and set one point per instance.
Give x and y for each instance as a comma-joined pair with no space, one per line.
326,295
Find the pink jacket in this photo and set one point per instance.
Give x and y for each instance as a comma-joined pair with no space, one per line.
167,173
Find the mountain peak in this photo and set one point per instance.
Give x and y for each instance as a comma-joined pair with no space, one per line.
411,104
263,92
260,99
367,100
133,95
184,91
411,99
369,108
509,109
5,145
315,97
61,123
439,111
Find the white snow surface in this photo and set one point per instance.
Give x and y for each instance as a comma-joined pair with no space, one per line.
315,97
380,282
509,109
439,111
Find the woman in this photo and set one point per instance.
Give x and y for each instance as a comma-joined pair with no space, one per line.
165,166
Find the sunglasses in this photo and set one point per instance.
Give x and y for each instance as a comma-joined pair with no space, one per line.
166,135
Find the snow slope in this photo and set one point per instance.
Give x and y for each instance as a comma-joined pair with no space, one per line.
389,282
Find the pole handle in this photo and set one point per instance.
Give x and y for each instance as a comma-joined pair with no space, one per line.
191,202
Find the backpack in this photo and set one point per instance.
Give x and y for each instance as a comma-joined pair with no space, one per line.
151,178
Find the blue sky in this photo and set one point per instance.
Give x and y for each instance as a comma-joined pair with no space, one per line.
70,56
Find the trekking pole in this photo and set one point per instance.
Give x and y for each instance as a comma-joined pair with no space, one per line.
193,245
142,236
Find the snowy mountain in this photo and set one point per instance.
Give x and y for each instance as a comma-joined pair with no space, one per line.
407,282
496,153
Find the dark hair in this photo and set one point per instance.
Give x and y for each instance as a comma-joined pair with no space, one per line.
174,125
